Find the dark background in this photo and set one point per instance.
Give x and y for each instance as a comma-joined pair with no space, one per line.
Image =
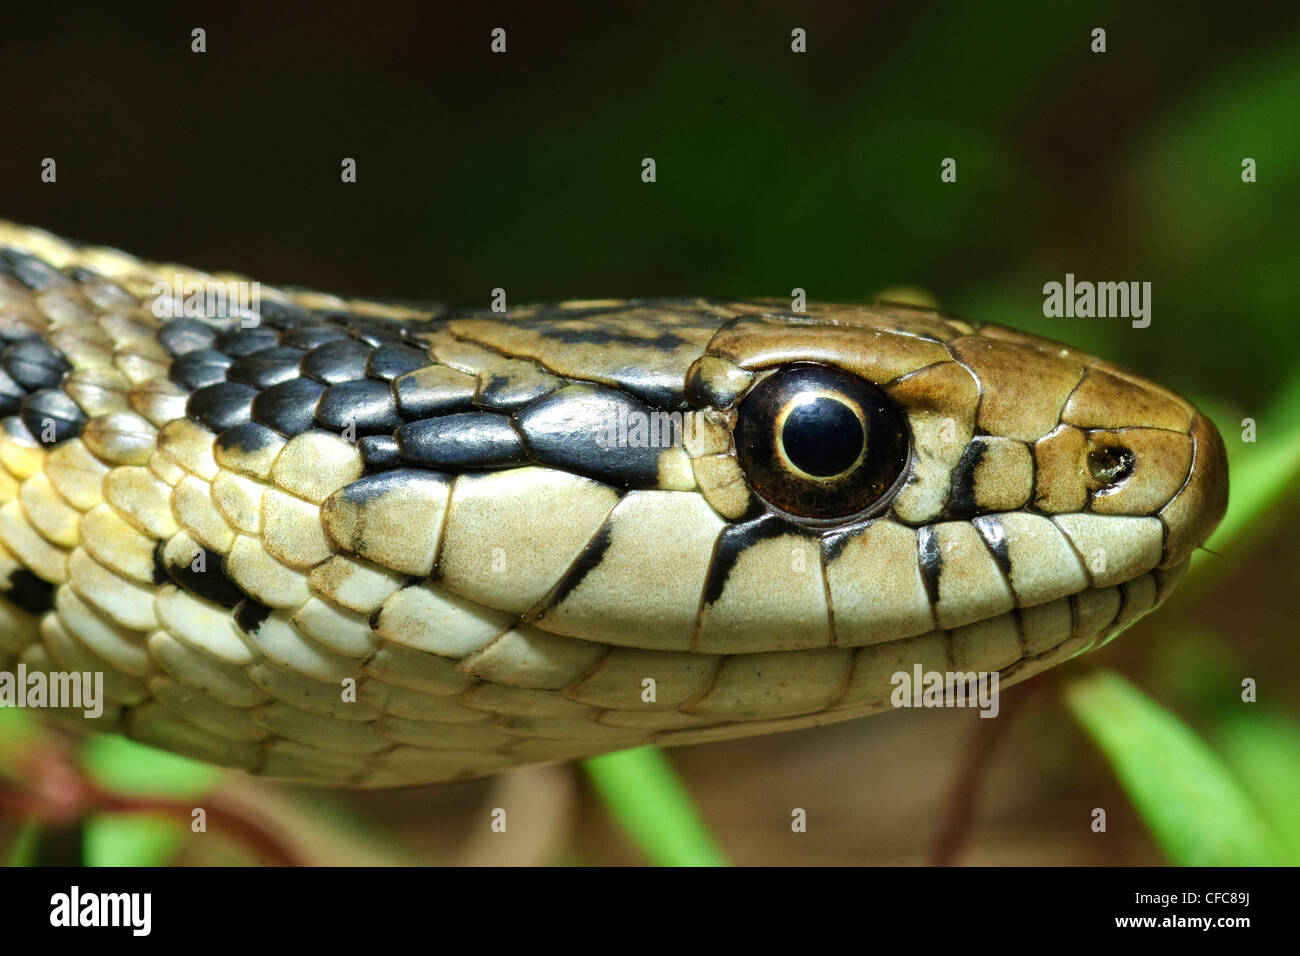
775,170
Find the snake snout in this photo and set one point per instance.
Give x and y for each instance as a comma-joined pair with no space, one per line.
1196,509
1145,451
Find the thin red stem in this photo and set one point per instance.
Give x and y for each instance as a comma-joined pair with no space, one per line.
963,800
265,844
58,793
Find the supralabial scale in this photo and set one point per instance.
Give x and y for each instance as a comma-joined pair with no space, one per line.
351,543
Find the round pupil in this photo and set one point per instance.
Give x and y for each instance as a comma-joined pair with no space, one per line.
822,437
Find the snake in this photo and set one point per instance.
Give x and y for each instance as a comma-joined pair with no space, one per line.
361,543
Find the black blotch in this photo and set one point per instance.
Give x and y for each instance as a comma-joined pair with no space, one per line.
241,341
32,272
990,528
591,556
833,545
336,317
199,369
552,313
51,407
734,539
961,503
379,451
338,361
81,274
390,361
658,389
468,440
367,405
312,336
34,365
571,429
290,407
213,583
699,391
221,406
372,487
160,575
11,394
377,333
281,315
185,335
604,334
250,614
245,438
34,595
266,367
927,548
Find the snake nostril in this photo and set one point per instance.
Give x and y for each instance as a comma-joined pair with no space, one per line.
1110,466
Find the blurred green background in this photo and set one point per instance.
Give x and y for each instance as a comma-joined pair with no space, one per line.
774,170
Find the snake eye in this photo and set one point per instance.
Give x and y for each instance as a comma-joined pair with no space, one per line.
820,444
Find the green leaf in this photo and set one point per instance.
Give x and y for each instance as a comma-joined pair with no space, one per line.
131,768
23,851
17,731
1263,747
131,840
645,796
1262,472
1197,813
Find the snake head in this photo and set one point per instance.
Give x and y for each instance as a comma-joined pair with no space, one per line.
473,520
957,476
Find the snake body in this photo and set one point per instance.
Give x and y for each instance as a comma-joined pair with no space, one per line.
351,543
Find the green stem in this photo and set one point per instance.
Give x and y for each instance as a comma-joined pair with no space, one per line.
644,794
